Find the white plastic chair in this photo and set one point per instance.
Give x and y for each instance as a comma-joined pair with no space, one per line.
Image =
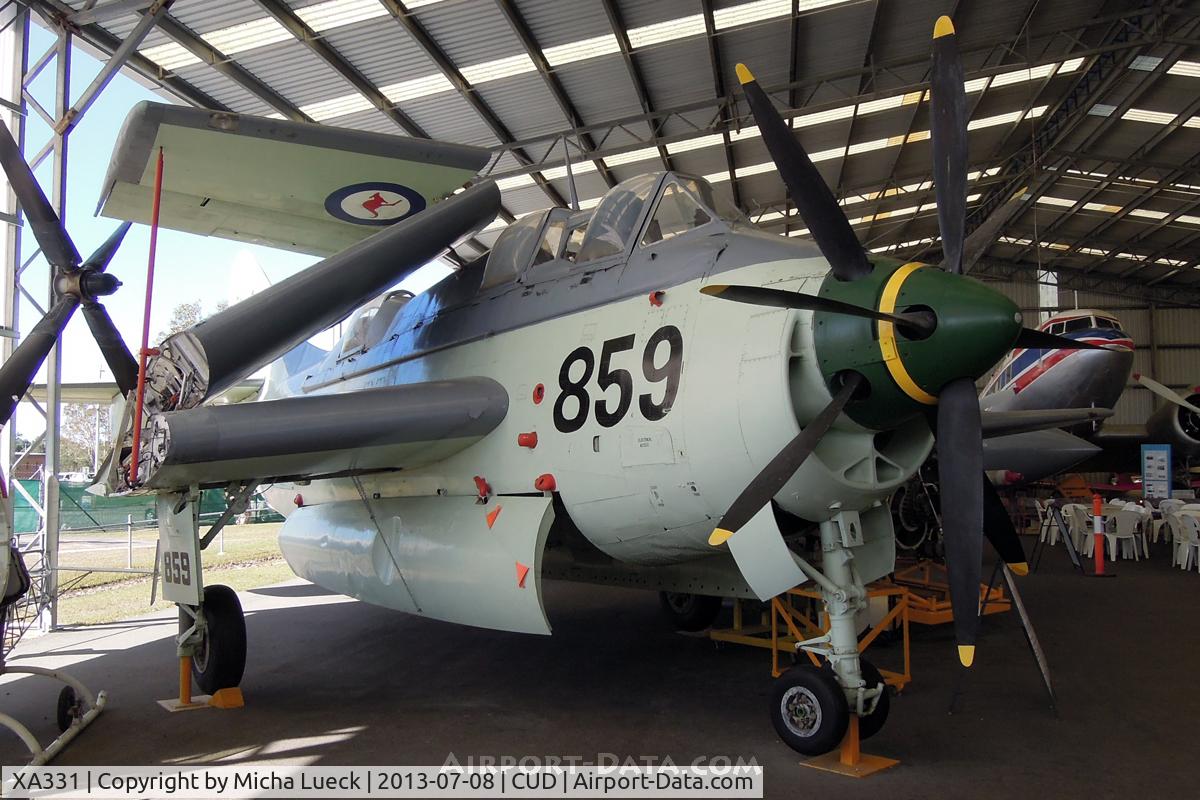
1189,542
1166,508
1079,521
1127,533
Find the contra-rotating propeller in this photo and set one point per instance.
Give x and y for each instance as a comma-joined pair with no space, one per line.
952,411
75,284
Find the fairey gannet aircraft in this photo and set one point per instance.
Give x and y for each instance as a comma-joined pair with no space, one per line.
582,403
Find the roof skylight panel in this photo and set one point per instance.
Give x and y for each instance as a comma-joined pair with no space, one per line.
696,143
666,31
247,36
339,13
631,157
1190,69
1145,115
580,50
336,107
1022,75
758,11
170,56
498,68
417,87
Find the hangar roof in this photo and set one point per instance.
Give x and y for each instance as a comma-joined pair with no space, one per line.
1090,109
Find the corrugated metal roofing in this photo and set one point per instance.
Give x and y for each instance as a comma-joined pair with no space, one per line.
843,54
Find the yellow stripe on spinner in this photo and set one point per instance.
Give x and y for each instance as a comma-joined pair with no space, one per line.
887,336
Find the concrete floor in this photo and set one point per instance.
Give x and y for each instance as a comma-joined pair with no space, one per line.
331,681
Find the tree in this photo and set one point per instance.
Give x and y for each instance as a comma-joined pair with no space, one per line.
185,315
82,430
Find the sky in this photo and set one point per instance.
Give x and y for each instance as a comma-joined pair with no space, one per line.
188,268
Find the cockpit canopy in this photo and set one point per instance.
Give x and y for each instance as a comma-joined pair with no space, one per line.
655,207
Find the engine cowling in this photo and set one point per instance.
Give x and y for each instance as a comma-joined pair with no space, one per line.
1177,426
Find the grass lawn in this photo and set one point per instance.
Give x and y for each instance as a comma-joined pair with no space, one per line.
251,558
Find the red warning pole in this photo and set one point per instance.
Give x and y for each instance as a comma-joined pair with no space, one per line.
145,349
1098,531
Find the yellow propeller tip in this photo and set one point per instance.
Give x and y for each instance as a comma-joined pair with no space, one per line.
713,289
943,27
1021,568
719,537
966,654
744,74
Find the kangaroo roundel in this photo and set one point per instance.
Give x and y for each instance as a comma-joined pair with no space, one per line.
374,203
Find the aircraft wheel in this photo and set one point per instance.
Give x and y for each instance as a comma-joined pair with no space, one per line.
690,612
809,710
220,658
68,709
871,724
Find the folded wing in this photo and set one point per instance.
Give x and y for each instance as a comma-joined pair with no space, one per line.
298,186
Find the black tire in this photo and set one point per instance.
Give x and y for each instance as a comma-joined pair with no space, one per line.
871,724
809,710
220,659
690,612
68,708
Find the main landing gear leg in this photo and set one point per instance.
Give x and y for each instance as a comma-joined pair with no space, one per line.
211,645
816,709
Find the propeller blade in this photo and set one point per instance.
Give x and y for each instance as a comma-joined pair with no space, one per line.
999,530
827,224
19,370
98,260
116,354
778,298
960,463
1165,393
767,483
47,228
948,132
1033,339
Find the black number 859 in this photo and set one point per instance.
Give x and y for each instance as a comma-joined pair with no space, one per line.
575,393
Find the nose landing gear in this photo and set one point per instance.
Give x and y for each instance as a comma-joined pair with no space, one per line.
814,709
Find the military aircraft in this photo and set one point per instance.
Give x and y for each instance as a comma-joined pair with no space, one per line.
585,402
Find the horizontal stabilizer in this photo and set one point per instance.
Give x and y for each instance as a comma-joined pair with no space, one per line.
1003,423
321,435
299,186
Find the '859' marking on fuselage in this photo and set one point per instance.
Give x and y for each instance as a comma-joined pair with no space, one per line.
609,413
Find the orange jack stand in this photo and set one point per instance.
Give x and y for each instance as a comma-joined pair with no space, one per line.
849,759
223,698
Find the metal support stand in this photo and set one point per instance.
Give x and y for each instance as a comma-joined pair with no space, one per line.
849,759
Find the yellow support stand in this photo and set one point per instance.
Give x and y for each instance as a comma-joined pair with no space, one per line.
799,626
223,698
849,759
